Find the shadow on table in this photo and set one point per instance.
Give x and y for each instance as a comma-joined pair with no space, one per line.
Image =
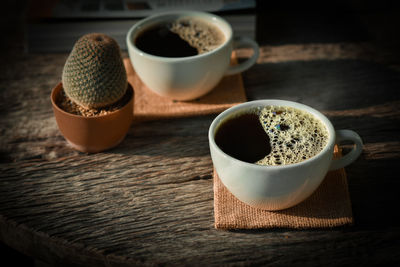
170,138
325,84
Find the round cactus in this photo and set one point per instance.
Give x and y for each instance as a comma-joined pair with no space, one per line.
94,75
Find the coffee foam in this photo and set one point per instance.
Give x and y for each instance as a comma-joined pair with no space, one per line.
199,34
294,135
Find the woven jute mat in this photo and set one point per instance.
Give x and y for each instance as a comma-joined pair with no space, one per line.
329,206
149,105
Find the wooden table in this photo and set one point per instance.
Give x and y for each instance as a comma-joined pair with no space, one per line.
149,201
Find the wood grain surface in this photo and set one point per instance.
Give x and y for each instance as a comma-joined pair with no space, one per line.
149,201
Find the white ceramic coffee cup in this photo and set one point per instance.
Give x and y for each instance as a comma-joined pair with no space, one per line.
187,78
283,186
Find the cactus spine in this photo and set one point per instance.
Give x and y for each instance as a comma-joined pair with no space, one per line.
94,75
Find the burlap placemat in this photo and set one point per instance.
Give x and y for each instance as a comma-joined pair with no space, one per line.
149,105
329,206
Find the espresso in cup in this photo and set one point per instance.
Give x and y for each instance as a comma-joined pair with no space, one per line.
183,37
272,135
183,55
294,144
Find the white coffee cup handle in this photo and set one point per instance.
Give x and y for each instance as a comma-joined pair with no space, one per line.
244,42
347,135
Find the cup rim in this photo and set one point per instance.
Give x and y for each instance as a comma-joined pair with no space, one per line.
272,102
182,13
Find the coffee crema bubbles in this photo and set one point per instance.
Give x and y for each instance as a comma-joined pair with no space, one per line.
180,38
277,135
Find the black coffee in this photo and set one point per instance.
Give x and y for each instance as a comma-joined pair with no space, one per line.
243,138
272,135
160,41
180,38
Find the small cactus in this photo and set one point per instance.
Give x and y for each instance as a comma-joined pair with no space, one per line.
94,75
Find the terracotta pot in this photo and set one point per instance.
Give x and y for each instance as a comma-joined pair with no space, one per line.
93,134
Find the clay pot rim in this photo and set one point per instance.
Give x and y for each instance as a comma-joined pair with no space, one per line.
52,98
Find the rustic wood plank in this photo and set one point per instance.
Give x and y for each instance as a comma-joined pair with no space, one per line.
150,199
